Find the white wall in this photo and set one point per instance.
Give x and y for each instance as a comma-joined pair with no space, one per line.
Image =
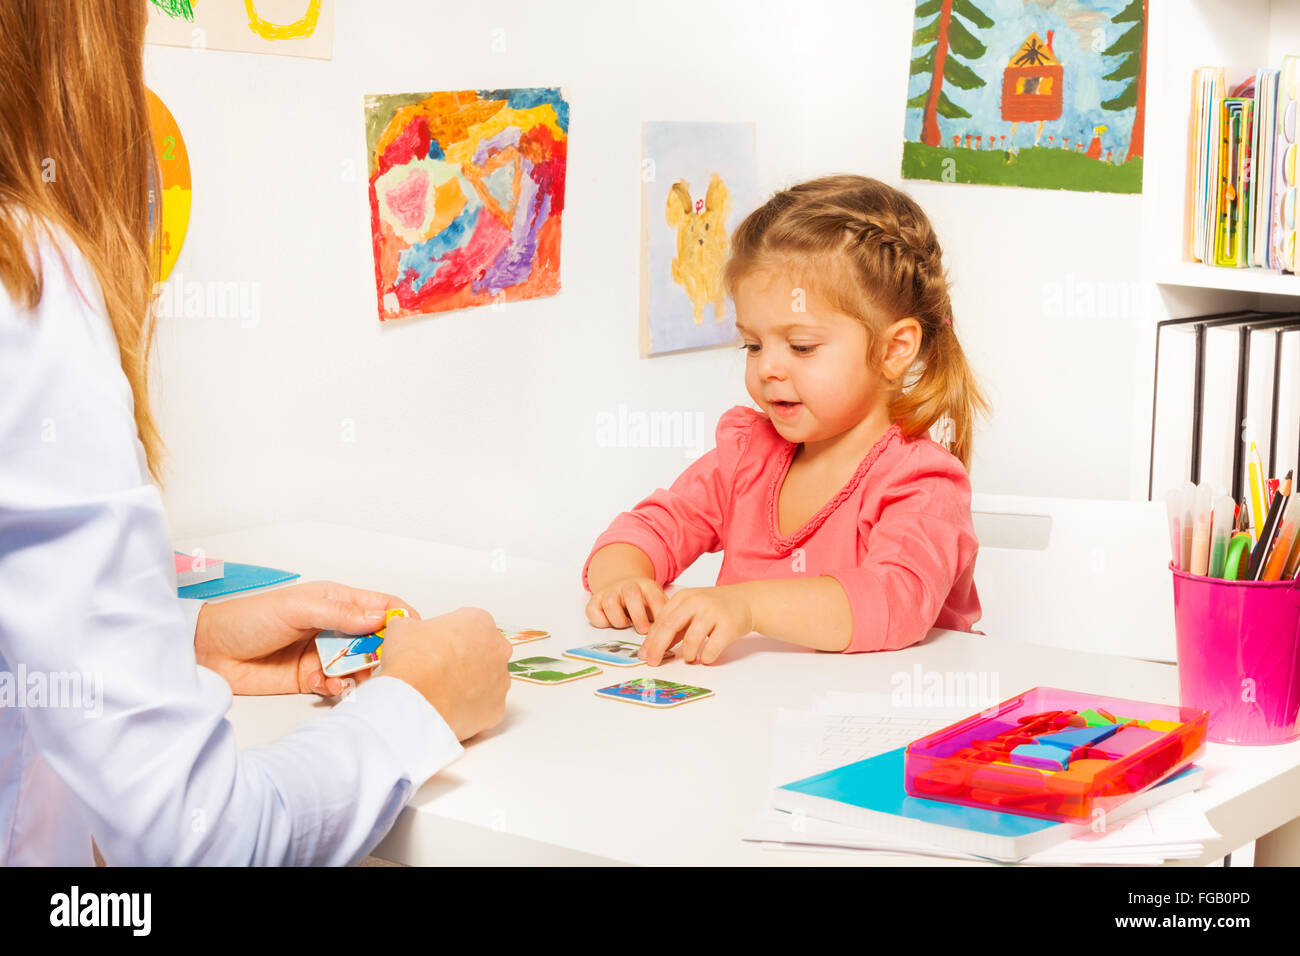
479,427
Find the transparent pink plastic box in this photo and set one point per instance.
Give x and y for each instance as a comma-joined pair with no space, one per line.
1055,754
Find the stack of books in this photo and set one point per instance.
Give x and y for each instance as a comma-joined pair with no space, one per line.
1242,193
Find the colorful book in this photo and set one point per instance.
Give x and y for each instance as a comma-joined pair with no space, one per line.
192,569
237,577
1235,119
1282,244
1263,147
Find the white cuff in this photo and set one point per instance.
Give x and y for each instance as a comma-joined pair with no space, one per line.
410,726
190,607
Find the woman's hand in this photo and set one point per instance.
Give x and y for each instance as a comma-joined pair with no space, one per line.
265,643
705,620
634,601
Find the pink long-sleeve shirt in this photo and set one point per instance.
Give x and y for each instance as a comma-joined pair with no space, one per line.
898,537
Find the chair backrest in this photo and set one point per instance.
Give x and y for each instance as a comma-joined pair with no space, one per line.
1076,573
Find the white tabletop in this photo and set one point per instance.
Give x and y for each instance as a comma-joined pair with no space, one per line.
570,778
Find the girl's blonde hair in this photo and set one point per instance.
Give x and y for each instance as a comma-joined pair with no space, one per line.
76,154
869,251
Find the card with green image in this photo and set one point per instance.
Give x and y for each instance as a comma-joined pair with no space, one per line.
550,670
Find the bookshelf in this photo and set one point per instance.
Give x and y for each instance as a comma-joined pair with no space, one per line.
1184,35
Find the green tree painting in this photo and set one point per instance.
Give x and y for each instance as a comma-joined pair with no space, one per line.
1132,46
946,38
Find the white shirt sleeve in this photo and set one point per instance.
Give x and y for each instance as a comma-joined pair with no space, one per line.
86,592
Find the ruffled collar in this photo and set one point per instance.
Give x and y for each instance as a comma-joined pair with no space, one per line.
783,544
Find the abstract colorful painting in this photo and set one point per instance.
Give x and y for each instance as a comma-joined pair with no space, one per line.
466,196
1042,93
698,181
283,27
174,167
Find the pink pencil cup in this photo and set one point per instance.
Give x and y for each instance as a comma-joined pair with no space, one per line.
1239,656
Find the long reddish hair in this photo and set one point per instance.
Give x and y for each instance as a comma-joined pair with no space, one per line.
76,153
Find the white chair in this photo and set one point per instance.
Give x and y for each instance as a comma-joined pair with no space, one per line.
1081,574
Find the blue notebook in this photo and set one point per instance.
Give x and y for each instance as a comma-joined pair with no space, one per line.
869,794
239,577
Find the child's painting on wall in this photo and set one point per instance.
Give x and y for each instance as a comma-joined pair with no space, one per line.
1040,93
466,197
698,180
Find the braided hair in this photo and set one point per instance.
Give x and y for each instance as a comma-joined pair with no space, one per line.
869,250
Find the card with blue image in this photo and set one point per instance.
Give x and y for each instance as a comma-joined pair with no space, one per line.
614,653
343,654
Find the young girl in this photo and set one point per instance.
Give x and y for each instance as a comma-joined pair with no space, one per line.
843,527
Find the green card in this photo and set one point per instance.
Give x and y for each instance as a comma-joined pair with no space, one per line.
550,670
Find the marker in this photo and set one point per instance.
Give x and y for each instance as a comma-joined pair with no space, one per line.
1201,529
1188,520
1220,534
1174,507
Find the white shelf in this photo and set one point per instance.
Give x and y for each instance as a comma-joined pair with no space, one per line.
1184,35
1194,275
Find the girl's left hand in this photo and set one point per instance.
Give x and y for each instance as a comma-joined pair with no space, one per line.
265,643
705,620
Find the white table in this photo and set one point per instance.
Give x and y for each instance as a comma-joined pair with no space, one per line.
569,778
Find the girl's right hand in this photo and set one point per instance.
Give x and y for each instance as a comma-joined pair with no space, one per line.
631,601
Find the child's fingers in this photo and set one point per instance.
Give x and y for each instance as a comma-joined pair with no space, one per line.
652,647
663,633
595,615
634,601
612,604
696,634
714,645
656,599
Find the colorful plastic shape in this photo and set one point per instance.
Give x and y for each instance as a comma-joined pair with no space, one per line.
1161,725
1129,740
1079,737
1041,756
